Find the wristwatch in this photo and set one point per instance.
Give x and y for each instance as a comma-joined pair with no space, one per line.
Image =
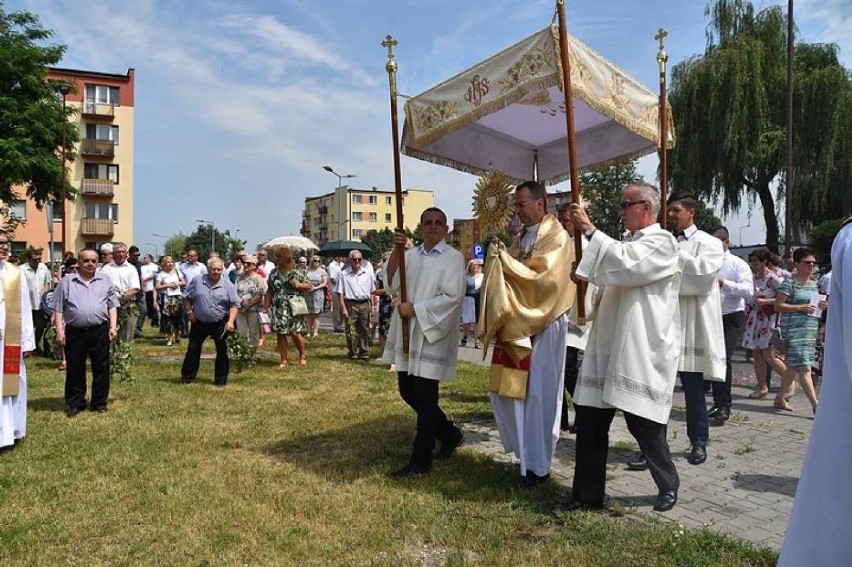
589,232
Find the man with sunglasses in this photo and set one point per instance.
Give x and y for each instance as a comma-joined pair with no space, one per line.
632,354
355,287
86,316
527,295
17,341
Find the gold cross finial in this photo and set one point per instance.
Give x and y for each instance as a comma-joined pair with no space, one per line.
661,35
389,42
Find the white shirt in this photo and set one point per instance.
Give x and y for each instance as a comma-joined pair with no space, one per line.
356,286
189,271
149,273
124,276
36,280
334,271
739,283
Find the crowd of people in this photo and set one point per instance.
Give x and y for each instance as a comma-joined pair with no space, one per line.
659,304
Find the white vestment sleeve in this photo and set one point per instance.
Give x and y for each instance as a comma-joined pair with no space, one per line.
608,262
438,314
700,265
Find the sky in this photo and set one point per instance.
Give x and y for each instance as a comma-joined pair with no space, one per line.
240,103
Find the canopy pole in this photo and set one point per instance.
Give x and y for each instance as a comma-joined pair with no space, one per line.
572,150
391,67
662,58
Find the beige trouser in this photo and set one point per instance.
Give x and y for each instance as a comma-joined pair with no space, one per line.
358,328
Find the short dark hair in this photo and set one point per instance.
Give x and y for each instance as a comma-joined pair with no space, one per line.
722,231
763,254
688,200
536,190
802,253
133,249
433,210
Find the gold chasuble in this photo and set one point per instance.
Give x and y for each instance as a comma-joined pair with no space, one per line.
523,293
11,330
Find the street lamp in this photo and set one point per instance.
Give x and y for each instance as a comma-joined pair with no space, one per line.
64,88
156,248
165,250
212,233
340,179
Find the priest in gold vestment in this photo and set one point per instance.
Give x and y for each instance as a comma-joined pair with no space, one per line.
526,294
17,340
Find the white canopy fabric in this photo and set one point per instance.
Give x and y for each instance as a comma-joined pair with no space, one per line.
508,113
292,242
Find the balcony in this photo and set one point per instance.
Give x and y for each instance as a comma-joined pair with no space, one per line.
98,188
98,148
323,209
92,109
97,227
322,226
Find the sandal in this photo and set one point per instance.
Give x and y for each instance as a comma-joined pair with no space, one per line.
758,394
63,366
283,364
303,361
782,405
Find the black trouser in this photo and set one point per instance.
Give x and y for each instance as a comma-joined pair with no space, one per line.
734,327
198,332
153,312
572,371
40,326
82,343
422,395
143,314
593,446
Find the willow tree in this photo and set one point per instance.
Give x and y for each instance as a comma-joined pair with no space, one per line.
729,107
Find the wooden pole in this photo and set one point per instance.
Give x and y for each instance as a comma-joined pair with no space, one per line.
572,149
391,67
662,58
788,189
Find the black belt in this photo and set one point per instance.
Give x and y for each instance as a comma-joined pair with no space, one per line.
357,300
89,327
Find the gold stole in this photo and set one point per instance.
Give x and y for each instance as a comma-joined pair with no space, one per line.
12,331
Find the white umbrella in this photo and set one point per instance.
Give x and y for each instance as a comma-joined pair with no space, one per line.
292,242
508,113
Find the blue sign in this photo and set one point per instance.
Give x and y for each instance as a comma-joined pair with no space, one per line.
478,252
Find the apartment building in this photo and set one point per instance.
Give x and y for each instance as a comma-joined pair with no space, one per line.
348,213
102,174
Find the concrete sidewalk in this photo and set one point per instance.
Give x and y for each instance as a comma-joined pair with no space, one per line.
745,488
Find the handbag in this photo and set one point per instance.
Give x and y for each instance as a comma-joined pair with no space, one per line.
298,305
778,342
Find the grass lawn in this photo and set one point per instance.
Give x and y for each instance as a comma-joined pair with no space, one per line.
289,468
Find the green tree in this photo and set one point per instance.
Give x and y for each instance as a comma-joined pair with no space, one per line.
206,236
705,218
380,241
729,108
175,246
602,189
31,116
821,239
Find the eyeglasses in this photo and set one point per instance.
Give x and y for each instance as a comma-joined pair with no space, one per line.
89,261
304,263
627,204
4,244
249,263
356,259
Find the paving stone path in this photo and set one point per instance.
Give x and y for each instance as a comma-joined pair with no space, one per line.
745,488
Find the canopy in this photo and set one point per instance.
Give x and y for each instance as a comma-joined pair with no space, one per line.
292,242
508,113
343,247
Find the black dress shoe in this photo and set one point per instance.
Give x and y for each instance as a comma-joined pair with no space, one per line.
531,480
720,417
638,464
697,456
449,447
575,505
98,409
665,501
6,449
713,411
73,411
187,380
409,471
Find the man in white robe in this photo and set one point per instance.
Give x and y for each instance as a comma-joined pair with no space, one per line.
16,344
702,334
536,272
821,520
435,286
632,355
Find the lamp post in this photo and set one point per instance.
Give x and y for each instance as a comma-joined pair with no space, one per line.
64,88
156,248
340,179
212,233
165,251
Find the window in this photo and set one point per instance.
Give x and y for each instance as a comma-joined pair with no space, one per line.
357,233
102,132
18,209
357,199
55,211
373,217
387,200
388,218
374,200
102,94
357,217
102,211
101,171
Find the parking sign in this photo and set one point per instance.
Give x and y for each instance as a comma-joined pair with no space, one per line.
478,252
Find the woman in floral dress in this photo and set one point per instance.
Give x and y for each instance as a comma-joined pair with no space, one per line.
251,288
798,326
168,285
315,297
286,281
761,319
